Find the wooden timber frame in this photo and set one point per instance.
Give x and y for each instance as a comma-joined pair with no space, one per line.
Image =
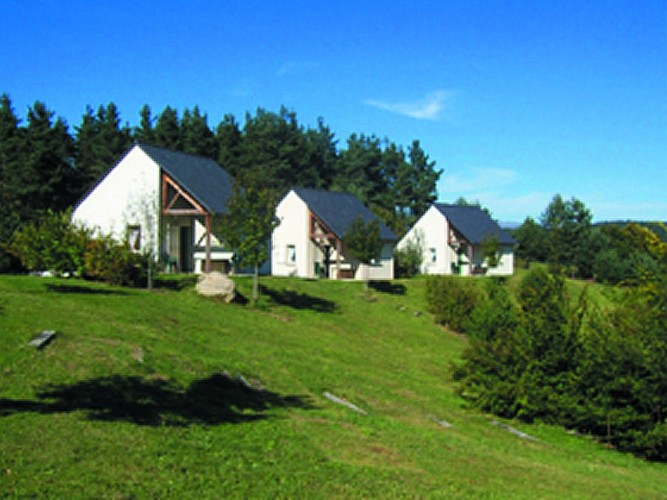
455,239
324,238
168,208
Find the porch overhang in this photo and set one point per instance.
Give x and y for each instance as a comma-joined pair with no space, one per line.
176,201
325,239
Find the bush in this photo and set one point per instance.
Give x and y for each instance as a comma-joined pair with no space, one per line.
54,243
452,300
114,263
493,361
51,244
534,360
408,261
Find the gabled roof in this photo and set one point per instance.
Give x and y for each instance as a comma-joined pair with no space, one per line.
474,224
201,177
339,210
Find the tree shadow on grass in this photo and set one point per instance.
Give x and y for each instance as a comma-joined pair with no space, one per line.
175,282
84,290
298,300
387,287
217,399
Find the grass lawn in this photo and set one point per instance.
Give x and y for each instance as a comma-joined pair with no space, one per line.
140,395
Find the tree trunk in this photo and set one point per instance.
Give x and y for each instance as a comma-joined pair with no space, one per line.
255,285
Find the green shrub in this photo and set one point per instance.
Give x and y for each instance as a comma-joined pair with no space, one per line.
549,358
408,261
54,243
51,244
493,360
115,263
452,300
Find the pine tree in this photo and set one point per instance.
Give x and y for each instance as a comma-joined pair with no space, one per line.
359,169
167,132
48,178
145,132
11,152
322,154
100,141
274,147
228,137
425,180
196,135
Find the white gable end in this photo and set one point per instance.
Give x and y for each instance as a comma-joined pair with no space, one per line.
290,244
431,231
127,197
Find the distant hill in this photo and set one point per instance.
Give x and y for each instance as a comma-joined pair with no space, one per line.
509,226
659,228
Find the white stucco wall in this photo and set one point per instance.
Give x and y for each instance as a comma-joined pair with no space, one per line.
432,229
293,230
128,195
382,269
506,266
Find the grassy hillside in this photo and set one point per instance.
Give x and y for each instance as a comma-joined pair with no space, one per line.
140,396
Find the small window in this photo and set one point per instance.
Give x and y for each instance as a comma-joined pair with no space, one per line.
291,254
134,237
434,255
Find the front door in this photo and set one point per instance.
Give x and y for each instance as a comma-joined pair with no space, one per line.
185,249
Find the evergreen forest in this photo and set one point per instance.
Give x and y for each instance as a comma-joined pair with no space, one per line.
47,166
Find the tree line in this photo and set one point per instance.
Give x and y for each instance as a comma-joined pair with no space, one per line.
46,166
545,353
612,253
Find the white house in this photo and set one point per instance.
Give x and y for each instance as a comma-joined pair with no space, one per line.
308,242
452,239
163,201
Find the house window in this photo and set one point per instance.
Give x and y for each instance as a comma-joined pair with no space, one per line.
434,255
291,254
134,237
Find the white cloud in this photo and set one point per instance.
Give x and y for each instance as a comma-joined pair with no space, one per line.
514,208
428,108
477,179
495,188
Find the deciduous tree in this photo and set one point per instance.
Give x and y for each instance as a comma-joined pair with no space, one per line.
362,241
247,225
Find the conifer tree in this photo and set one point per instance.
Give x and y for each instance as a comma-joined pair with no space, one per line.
48,177
197,137
11,152
100,141
167,132
144,132
228,137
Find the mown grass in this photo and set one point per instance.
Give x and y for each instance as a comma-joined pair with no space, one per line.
140,396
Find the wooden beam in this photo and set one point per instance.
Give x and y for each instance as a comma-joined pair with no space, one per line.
339,251
207,266
319,231
180,192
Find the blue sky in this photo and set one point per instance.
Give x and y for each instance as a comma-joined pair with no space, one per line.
515,101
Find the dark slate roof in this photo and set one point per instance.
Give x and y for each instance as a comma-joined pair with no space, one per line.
340,210
201,177
473,223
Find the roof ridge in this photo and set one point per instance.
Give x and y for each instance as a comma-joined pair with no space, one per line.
175,151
